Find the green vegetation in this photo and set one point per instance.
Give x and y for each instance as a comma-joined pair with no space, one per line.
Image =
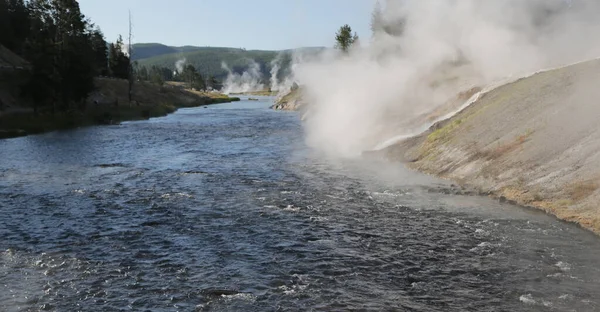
24,124
152,102
146,50
192,78
63,49
209,61
118,61
189,75
258,93
51,59
154,74
344,39
444,132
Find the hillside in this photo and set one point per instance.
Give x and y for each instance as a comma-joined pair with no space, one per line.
534,142
209,59
147,50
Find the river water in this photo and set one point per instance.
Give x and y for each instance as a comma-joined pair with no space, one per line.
225,209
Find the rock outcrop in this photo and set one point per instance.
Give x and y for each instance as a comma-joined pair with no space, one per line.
291,101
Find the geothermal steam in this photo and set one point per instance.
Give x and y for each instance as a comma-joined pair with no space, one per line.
430,51
180,64
275,67
279,68
249,80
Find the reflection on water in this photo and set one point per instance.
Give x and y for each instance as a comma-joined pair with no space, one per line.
223,208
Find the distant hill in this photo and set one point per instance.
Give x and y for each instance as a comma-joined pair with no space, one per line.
208,59
147,50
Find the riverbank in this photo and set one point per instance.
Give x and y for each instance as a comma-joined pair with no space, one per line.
292,101
230,210
257,93
109,105
533,142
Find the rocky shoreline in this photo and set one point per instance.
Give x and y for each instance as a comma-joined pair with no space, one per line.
533,142
291,101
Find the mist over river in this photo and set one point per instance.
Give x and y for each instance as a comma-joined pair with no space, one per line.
224,208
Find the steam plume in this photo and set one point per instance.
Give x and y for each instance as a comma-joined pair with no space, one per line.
429,51
180,64
249,80
275,67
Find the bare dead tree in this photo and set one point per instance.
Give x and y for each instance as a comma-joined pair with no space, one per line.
130,75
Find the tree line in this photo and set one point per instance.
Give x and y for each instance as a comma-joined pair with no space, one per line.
65,50
188,74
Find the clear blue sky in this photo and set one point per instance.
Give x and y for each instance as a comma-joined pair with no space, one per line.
250,24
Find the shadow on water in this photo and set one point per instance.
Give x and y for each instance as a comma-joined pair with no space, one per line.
224,208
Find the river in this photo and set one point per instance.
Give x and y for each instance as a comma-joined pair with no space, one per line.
224,208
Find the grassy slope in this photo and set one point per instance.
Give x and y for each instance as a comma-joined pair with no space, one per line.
151,101
535,142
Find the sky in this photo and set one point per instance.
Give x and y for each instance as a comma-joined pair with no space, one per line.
250,24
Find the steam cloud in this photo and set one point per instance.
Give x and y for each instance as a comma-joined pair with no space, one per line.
125,49
279,64
429,51
180,64
249,80
275,67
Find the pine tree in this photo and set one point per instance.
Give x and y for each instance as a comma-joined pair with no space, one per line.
100,52
344,38
118,61
14,24
64,50
377,23
193,78
156,76
59,47
142,73
213,83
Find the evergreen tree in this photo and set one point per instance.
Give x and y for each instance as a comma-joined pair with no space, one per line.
344,38
59,47
64,50
100,52
199,82
142,73
213,83
193,78
14,24
166,73
40,50
377,23
156,75
118,61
